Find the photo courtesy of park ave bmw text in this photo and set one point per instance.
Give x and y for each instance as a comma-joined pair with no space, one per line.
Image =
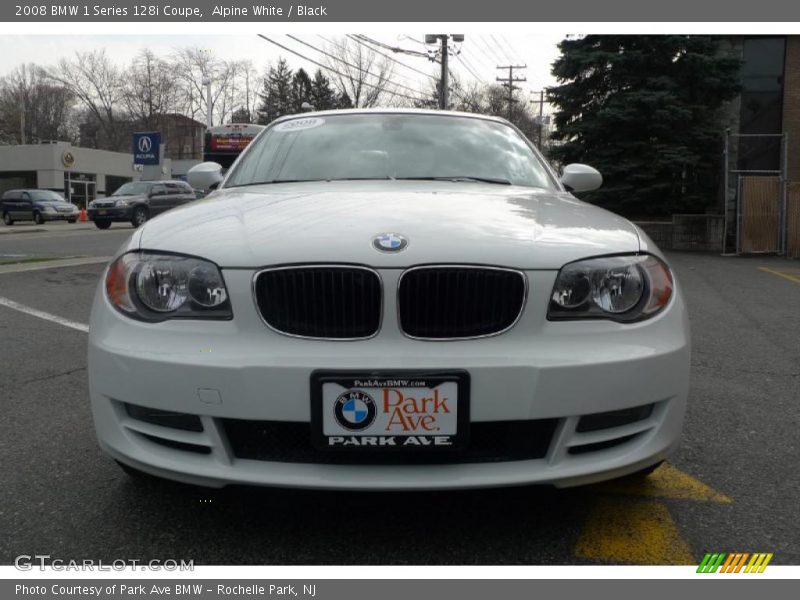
351,300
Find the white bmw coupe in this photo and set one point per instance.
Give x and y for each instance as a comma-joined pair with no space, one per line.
389,300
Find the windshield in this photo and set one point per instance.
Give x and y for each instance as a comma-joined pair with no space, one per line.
132,189
46,196
391,146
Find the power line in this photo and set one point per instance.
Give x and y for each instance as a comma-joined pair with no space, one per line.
393,59
344,62
500,47
469,69
510,47
477,57
489,50
393,48
332,70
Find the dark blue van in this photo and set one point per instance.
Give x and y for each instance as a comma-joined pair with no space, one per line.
37,206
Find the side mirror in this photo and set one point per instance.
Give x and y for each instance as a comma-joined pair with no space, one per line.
581,178
205,176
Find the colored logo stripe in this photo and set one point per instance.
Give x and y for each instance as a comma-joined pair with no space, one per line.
734,562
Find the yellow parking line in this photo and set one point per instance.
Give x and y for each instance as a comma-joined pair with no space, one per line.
640,529
639,532
780,274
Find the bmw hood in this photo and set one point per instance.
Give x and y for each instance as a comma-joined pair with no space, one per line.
441,222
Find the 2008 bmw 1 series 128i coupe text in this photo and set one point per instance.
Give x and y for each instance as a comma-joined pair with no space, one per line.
389,299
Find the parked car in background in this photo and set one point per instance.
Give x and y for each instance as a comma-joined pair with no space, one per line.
37,206
138,201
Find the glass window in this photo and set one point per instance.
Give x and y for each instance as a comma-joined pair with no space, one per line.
391,146
761,102
47,196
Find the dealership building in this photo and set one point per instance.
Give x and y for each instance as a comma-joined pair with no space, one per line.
80,174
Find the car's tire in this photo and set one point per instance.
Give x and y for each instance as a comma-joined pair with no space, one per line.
7,219
37,218
139,216
102,223
72,220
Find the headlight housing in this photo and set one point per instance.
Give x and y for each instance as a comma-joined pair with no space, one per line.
155,287
121,203
620,288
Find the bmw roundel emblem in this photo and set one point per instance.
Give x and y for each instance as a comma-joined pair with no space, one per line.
389,242
354,410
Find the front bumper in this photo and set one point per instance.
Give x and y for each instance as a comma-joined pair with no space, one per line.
60,216
240,369
113,213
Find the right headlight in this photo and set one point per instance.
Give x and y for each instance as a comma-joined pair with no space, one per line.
155,287
620,288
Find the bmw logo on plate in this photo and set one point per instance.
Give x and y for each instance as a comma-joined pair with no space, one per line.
354,410
389,242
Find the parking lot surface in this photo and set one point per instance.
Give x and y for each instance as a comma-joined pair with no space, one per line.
732,486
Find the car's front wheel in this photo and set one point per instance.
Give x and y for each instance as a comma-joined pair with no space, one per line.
7,219
37,218
102,223
139,217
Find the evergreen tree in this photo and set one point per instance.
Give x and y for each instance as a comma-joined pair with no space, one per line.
240,115
323,97
301,90
344,101
276,96
645,110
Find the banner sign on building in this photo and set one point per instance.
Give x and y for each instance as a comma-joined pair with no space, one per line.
146,148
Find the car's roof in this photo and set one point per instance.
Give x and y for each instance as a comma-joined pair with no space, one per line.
401,111
20,190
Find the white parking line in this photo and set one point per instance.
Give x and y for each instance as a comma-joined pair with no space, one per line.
43,315
56,263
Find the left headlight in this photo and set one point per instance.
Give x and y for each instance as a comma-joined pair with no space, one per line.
155,287
619,288
121,203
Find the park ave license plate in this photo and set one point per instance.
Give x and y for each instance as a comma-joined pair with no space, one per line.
409,411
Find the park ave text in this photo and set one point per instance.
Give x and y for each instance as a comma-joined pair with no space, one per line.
189,13
177,589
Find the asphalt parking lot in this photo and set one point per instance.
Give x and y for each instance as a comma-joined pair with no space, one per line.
732,486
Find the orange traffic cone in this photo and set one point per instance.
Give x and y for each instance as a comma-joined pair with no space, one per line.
82,218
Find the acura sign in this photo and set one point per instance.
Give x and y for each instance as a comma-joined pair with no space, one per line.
146,148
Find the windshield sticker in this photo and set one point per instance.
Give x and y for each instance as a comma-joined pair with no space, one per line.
299,124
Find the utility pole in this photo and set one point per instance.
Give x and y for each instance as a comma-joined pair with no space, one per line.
444,81
540,119
510,81
209,114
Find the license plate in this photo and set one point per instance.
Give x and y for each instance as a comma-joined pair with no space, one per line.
407,411
102,212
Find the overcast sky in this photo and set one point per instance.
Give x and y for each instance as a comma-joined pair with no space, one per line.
482,53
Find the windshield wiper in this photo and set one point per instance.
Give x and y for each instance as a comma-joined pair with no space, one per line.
269,181
496,180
